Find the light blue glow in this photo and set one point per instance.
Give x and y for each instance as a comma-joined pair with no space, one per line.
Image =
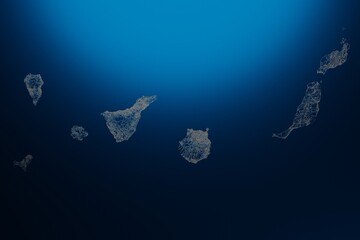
179,42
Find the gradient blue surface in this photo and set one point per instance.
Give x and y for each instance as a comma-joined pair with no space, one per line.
178,44
239,68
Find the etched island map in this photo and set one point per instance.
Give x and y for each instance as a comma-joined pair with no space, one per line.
122,123
180,120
